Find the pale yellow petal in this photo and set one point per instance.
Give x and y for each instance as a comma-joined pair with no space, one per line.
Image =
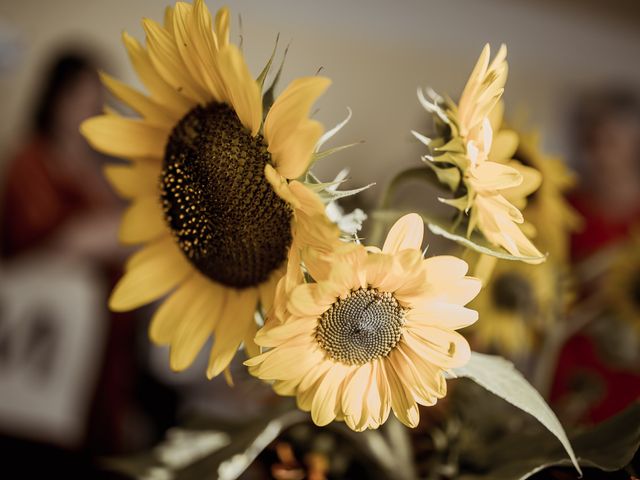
325,402
356,386
440,314
406,233
305,301
445,348
402,403
493,176
504,146
290,330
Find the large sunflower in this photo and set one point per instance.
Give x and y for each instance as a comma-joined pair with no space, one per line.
518,302
475,165
374,333
212,185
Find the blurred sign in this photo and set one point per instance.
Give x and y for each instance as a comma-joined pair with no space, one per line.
52,334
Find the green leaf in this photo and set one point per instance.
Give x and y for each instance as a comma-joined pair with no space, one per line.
269,96
609,446
501,378
263,75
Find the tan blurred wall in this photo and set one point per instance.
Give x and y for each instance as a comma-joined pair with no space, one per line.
376,52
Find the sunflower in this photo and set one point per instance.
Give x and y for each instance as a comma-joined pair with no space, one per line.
517,302
212,184
622,284
476,166
375,332
547,209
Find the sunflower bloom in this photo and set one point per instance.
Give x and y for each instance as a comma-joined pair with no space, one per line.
547,210
462,158
376,332
214,196
517,304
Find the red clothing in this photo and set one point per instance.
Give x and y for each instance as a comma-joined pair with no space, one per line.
598,231
580,358
36,202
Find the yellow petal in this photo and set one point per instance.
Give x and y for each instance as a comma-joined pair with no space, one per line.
504,146
167,61
235,322
153,112
493,176
289,361
291,136
325,402
123,137
163,268
294,329
197,324
406,233
445,348
251,348
421,388
294,157
306,302
222,28
355,388
206,48
142,221
137,180
170,314
243,91
163,93
403,405
443,315
430,375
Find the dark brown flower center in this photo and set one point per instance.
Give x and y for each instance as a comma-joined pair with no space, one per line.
223,213
364,326
513,293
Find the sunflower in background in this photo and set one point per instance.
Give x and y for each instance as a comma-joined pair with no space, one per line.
553,218
489,187
622,284
518,303
212,183
376,331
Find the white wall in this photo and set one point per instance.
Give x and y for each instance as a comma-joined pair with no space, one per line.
376,52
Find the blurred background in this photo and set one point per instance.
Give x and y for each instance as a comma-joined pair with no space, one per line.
78,382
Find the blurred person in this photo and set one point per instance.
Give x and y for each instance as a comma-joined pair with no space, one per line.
53,195
598,372
55,206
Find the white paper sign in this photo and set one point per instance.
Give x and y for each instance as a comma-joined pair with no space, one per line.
52,336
